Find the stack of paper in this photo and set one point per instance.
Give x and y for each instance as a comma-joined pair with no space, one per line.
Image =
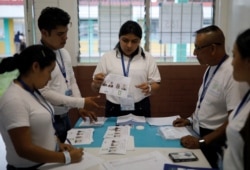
171,132
117,140
131,119
100,121
161,121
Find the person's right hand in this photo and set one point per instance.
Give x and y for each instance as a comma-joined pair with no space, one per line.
98,80
179,122
90,103
76,155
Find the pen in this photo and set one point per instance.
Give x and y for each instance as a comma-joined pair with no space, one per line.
68,141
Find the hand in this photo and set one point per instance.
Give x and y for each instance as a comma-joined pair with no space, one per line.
65,147
98,80
144,88
76,155
85,113
179,122
190,142
90,103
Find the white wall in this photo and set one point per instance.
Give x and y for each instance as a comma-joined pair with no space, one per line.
233,16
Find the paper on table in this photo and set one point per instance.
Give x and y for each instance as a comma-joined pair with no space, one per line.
100,121
117,131
131,119
161,121
88,161
80,136
171,132
113,146
154,160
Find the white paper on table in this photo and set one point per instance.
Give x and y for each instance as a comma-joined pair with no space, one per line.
130,119
117,132
115,85
154,160
171,132
161,121
114,146
87,161
100,121
79,136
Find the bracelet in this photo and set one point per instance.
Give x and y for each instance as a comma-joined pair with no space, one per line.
149,88
67,157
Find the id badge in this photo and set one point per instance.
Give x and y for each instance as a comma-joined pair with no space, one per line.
196,126
68,92
127,103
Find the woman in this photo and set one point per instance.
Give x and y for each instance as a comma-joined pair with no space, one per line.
237,154
26,123
129,60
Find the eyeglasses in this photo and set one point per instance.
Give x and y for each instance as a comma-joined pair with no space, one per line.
197,48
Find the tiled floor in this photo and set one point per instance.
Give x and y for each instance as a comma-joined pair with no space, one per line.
2,155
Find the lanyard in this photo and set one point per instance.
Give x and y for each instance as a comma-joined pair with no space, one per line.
125,72
47,107
244,101
205,85
62,67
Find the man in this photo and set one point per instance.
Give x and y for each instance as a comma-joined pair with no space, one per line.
219,94
62,90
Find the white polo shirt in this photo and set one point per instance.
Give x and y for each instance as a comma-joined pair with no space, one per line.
223,94
141,70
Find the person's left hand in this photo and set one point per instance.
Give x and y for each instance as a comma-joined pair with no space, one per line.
86,113
190,142
65,147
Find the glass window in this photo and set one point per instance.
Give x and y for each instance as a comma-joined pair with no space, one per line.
170,25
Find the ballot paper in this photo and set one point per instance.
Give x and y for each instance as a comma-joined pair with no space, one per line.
115,85
117,132
100,121
131,119
80,136
171,132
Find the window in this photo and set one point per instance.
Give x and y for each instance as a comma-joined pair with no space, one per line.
168,26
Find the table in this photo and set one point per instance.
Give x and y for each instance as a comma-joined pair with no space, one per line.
146,141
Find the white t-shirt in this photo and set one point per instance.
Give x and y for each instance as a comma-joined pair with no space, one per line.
223,94
141,70
57,86
233,156
18,108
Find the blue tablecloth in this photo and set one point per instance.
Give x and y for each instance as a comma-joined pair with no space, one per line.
148,137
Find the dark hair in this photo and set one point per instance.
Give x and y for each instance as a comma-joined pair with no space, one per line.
217,36
243,44
130,27
51,17
23,61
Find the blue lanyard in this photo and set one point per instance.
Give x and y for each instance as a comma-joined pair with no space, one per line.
47,107
62,67
244,101
125,72
205,85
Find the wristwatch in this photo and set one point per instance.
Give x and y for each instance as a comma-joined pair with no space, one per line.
202,143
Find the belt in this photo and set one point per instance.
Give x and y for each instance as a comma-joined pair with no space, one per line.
60,116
